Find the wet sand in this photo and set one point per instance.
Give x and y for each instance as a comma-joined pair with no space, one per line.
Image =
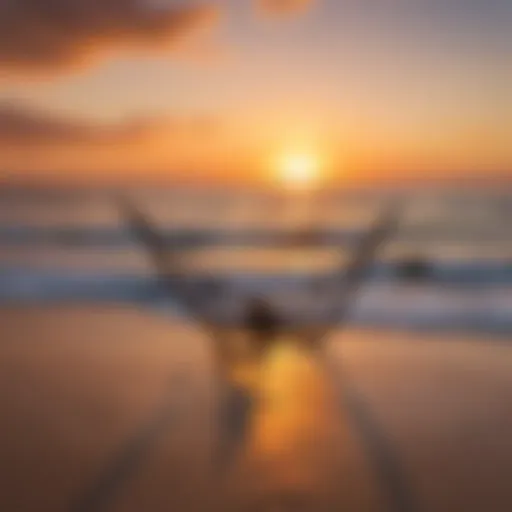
124,410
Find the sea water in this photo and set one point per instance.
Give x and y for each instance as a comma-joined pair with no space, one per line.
66,245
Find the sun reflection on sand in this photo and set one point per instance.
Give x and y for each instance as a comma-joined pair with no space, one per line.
295,437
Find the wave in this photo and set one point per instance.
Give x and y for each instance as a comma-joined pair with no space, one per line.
197,234
425,306
461,272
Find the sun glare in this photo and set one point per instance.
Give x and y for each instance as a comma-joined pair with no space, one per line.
299,170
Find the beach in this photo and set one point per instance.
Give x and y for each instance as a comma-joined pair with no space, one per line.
117,408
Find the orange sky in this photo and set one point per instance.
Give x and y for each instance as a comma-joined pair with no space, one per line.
220,89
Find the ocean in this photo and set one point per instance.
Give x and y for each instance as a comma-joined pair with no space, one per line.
61,245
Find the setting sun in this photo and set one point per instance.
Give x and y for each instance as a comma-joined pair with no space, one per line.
299,170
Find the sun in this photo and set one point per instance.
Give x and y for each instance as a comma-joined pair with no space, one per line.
299,170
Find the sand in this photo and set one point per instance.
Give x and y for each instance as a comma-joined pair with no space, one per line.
111,408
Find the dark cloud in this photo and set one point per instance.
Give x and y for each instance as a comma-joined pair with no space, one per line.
27,127
53,34
280,7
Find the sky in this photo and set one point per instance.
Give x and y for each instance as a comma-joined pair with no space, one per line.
130,90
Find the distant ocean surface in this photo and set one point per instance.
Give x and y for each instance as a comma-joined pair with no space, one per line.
64,245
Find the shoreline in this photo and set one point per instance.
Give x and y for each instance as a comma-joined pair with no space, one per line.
172,315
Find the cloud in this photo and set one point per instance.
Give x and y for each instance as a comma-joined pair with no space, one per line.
55,34
21,125
283,7
41,144
27,127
